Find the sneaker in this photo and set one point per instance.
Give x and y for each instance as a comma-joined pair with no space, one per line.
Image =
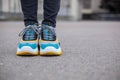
49,44
28,45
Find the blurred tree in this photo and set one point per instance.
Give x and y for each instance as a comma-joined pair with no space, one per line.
112,6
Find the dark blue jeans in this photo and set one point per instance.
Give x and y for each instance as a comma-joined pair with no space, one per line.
30,7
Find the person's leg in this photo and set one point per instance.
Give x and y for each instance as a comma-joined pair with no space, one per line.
29,8
28,44
51,8
49,44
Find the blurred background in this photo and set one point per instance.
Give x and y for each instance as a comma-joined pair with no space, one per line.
89,32
75,10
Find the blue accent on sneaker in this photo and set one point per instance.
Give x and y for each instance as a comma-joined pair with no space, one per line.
43,46
32,45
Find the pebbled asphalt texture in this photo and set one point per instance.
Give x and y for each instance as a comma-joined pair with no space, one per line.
91,51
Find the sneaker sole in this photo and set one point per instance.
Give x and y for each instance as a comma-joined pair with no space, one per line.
27,51
27,54
51,53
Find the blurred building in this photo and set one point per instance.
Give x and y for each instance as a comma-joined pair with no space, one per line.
72,9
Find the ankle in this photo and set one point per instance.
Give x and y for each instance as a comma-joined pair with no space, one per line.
27,23
48,24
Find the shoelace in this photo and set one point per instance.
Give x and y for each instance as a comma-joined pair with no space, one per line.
33,27
48,36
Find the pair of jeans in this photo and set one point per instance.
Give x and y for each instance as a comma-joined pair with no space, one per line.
30,8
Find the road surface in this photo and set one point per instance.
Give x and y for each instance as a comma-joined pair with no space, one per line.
91,51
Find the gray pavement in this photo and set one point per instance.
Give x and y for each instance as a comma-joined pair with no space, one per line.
91,51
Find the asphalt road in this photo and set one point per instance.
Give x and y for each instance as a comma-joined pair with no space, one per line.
91,51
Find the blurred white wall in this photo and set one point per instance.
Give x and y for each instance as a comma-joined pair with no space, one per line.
72,8
10,6
94,7
75,10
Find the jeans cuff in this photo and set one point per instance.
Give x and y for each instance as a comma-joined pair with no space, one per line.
30,23
49,24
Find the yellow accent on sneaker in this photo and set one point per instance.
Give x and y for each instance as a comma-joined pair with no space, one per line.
51,54
27,53
29,41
